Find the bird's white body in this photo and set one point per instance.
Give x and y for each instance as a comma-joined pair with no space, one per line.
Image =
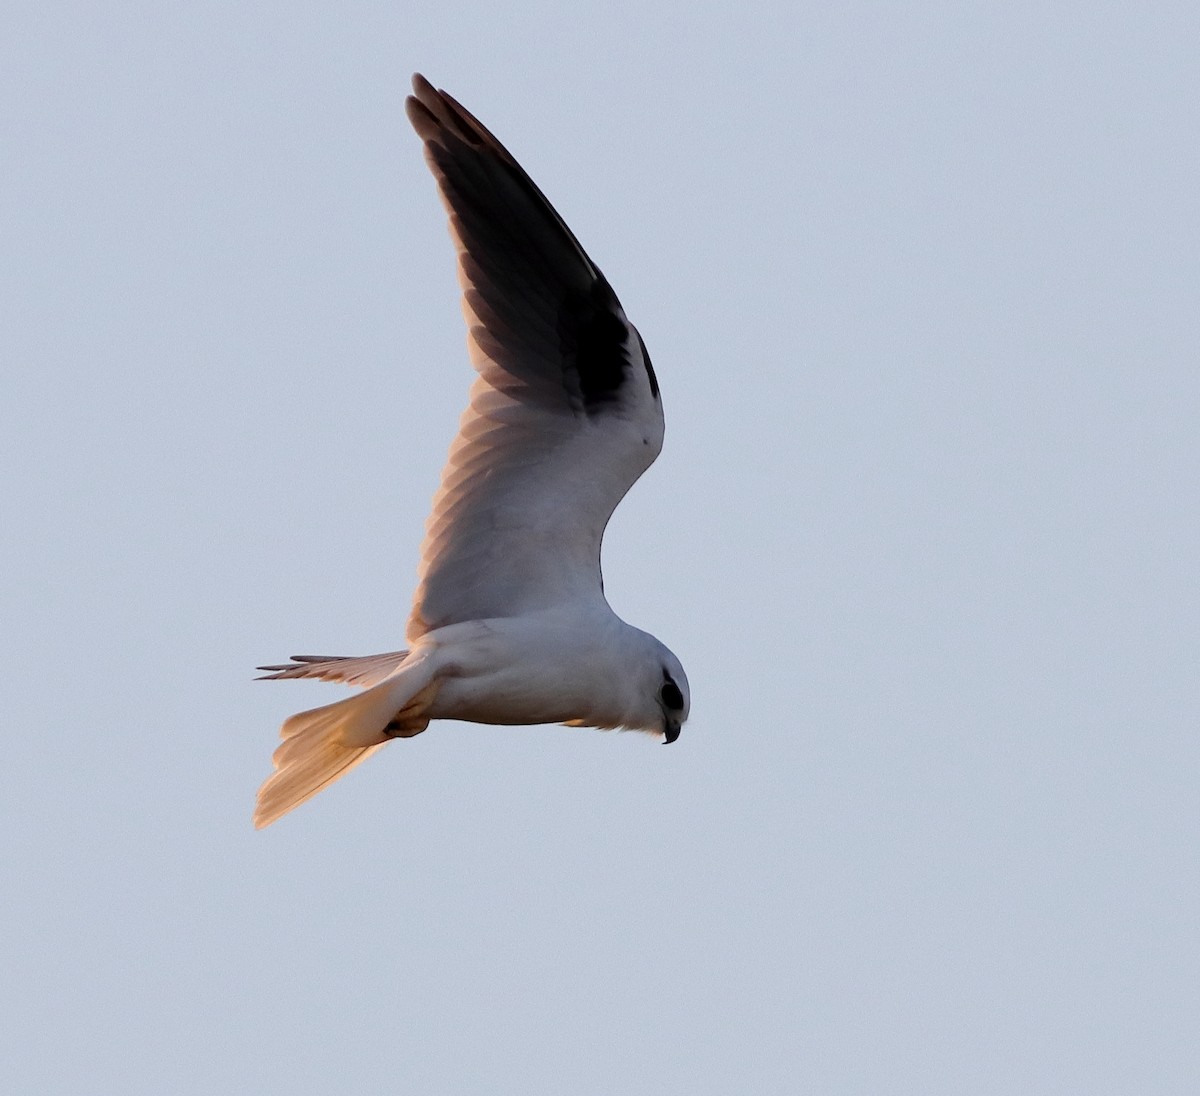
550,667
555,666
510,624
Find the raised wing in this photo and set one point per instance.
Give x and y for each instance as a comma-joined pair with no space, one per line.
565,414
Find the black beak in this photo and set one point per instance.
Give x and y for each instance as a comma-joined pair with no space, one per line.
671,730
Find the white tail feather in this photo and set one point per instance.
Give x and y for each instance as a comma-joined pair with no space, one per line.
322,744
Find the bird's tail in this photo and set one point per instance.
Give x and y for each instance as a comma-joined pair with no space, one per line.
322,744
366,671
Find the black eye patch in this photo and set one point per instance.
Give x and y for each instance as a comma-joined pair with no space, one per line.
671,696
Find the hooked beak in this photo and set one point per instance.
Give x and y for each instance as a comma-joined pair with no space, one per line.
671,730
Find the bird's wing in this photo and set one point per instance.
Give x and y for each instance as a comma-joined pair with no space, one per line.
565,414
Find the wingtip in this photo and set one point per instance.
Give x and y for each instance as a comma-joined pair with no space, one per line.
420,117
421,104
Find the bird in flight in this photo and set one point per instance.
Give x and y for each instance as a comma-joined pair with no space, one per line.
509,624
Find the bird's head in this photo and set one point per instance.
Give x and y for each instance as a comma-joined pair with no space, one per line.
672,696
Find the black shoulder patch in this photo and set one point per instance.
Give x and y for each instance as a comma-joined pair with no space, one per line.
592,338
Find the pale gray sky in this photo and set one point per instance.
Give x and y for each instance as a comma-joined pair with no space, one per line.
920,283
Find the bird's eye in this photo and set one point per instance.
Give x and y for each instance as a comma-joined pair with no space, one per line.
671,696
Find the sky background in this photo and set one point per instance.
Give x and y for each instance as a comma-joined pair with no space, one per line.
920,282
